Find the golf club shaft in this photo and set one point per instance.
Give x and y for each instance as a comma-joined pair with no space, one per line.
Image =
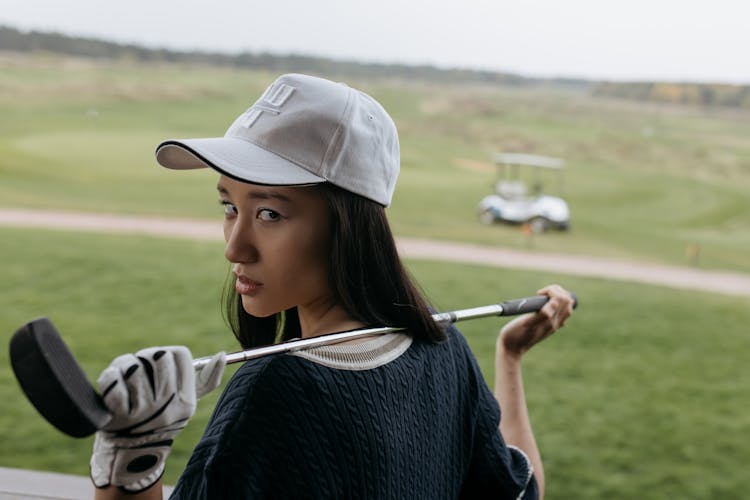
508,308
59,389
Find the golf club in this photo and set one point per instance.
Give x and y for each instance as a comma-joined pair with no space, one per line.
56,385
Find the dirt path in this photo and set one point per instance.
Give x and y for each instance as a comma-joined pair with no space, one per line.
671,276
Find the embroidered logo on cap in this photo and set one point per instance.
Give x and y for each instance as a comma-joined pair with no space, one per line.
270,102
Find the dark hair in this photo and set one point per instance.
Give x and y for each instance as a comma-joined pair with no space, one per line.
366,275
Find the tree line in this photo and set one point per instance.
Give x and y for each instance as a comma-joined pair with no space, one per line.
12,39
704,94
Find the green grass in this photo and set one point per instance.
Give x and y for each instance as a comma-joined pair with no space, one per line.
641,395
643,181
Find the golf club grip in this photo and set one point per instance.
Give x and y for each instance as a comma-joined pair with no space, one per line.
528,305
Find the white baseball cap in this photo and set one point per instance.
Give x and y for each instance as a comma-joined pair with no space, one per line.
302,130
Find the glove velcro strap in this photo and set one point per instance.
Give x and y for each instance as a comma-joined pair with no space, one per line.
132,468
137,469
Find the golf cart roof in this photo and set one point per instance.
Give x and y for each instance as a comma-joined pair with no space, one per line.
528,160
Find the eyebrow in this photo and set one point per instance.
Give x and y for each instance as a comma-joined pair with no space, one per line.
259,195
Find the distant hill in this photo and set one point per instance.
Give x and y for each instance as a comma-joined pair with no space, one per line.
12,39
701,94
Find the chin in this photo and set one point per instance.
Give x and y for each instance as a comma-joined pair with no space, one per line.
257,310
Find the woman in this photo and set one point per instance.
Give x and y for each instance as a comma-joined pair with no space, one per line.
305,175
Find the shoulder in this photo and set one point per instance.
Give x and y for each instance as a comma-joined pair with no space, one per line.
456,347
249,374
468,371
255,378
250,395
243,426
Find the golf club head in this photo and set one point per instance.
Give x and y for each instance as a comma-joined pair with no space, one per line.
54,382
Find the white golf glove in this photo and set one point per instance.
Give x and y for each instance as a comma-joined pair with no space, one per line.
151,394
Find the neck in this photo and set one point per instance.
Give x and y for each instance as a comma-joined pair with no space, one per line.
326,317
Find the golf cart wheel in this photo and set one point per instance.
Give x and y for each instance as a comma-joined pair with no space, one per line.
539,224
486,217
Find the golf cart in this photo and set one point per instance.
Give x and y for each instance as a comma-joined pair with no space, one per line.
513,201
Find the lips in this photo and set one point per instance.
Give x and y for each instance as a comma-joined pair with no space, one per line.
246,286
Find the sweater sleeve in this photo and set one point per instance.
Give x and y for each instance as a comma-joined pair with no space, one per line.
496,470
263,440
215,469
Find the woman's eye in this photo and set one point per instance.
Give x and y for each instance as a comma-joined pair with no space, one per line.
268,215
229,209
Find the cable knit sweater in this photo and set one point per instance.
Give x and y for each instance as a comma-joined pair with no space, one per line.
390,418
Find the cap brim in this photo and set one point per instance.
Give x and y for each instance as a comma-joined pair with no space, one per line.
235,158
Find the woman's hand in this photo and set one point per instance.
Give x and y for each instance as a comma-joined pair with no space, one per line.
523,332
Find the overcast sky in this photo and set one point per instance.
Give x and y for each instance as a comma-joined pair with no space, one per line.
681,40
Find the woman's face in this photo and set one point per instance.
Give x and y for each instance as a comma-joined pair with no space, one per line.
279,241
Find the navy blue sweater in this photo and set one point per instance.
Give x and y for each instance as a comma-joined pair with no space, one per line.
424,425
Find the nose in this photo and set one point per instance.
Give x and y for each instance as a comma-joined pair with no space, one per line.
239,239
